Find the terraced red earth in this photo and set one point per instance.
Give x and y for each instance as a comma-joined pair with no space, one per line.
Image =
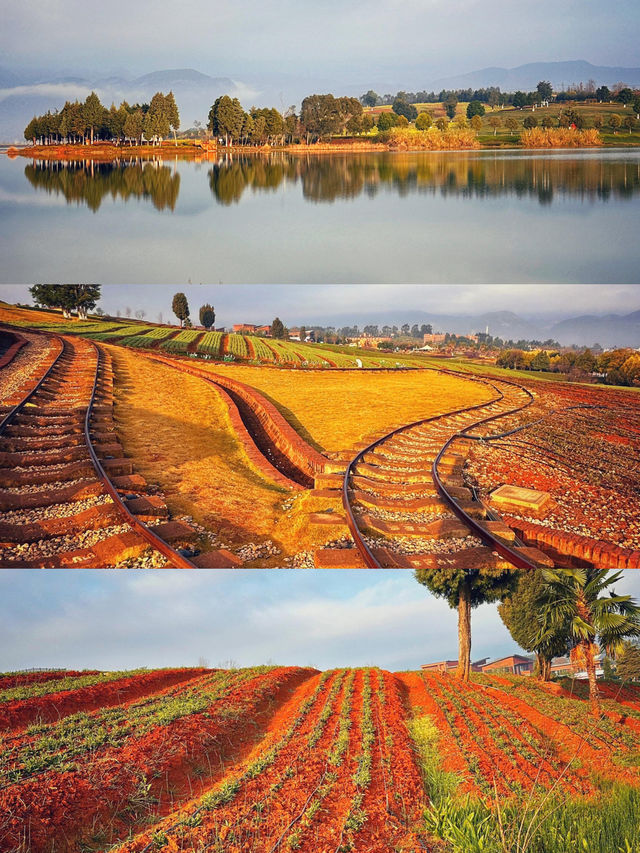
283,758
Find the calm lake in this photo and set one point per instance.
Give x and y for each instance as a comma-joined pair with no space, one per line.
508,216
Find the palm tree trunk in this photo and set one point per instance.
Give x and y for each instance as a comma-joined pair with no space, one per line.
594,693
464,633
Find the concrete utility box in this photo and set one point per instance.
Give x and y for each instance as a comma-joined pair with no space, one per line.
520,500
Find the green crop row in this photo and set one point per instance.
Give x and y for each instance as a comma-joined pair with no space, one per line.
285,352
138,342
237,346
122,332
187,335
174,346
158,334
211,343
228,789
56,745
261,350
74,682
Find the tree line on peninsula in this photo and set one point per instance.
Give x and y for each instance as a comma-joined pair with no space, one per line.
320,116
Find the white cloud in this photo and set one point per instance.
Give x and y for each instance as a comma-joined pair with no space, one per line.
164,618
110,619
56,91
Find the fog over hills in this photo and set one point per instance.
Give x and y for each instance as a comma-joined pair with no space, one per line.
23,94
20,98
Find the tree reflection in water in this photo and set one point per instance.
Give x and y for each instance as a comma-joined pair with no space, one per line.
332,177
328,178
89,182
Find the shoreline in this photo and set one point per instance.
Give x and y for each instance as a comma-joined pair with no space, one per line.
108,153
112,153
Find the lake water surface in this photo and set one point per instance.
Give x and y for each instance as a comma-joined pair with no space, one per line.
508,216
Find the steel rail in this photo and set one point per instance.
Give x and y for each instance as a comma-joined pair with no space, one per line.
521,562
177,560
365,552
6,420
550,414
509,553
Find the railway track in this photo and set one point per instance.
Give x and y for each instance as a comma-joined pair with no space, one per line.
68,496
407,504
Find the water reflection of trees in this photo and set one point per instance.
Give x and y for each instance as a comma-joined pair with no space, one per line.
329,178
90,182
332,177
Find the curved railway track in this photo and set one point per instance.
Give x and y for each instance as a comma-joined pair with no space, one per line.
68,497
407,504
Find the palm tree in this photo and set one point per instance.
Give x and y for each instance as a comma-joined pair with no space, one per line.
579,599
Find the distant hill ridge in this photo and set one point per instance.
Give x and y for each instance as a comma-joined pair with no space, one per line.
526,77
25,94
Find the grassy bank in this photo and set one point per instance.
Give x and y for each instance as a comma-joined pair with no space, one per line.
542,822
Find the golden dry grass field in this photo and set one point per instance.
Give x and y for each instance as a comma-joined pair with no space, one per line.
177,430
333,411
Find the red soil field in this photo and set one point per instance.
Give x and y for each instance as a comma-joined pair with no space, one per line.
20,679
284,758
55,705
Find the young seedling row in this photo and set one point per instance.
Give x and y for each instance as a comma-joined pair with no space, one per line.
274,758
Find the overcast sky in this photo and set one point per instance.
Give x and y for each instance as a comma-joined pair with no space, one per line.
113,619
313,303
353,40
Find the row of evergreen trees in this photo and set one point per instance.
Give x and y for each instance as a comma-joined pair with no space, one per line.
81,122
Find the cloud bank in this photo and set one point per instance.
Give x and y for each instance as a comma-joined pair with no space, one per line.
108,619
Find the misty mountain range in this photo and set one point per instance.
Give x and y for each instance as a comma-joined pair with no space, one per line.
21,99
610,330
23,94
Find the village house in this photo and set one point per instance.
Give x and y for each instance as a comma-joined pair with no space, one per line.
515,664
445,666
251,329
